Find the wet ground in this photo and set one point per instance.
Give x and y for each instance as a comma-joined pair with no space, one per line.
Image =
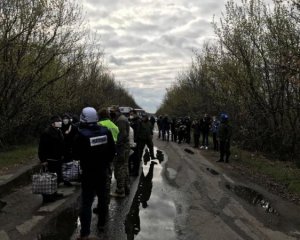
182,195
147,210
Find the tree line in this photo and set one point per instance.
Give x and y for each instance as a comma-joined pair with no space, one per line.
49,64
251,71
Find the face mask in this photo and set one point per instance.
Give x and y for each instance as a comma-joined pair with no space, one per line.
65,121
57,124
131,117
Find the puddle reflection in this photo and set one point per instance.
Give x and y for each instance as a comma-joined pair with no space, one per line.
157,217
150,213
253,197
142,196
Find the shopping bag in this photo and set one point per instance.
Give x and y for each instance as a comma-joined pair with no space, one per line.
44,183
71,171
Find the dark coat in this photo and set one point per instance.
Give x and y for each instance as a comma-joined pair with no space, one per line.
225,132
94,146
69,131
196,127
51,145
144,131
205,124
165,123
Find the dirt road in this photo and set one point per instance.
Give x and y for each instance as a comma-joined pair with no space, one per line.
214,203
189,197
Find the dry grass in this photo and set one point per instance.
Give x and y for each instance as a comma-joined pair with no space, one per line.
17,156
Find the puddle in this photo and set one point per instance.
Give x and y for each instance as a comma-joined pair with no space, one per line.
148,211
188,151
146,156
212,171
253,197
159,156
141,197
149,203
171,173
63,225
2,204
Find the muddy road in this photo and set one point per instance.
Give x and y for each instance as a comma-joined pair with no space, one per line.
182,195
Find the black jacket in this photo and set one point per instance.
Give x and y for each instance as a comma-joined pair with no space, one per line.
95,148
51,145
69,131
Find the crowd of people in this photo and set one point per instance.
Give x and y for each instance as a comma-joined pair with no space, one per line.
105,142
179,130
108,142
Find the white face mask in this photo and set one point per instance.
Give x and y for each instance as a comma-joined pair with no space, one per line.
57,124
65,121
131,117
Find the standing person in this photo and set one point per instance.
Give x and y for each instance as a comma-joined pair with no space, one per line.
51,151
121,171
215,130
134,161
133,164
196,132
205,126
104,120
152,121
225,133
188,124
144,137
159,126
134,121
95,148
165,128
69,131
173,130
181,131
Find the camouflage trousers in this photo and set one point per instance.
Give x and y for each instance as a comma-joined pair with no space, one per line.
121,171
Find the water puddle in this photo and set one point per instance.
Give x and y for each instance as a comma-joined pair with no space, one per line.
159,156
188,151
63,225
152,211
253,197
2,204
148,211
212,171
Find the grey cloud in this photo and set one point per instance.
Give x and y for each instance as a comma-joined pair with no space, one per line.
148,42
122,60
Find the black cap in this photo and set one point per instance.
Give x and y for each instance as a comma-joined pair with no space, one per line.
55,118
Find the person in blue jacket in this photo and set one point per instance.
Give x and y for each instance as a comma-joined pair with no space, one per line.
94,146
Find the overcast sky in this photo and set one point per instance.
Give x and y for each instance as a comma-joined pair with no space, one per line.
148,42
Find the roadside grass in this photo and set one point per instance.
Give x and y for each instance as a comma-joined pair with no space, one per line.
16,156
285,173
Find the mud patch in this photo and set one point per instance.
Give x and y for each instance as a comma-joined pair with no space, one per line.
253,197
